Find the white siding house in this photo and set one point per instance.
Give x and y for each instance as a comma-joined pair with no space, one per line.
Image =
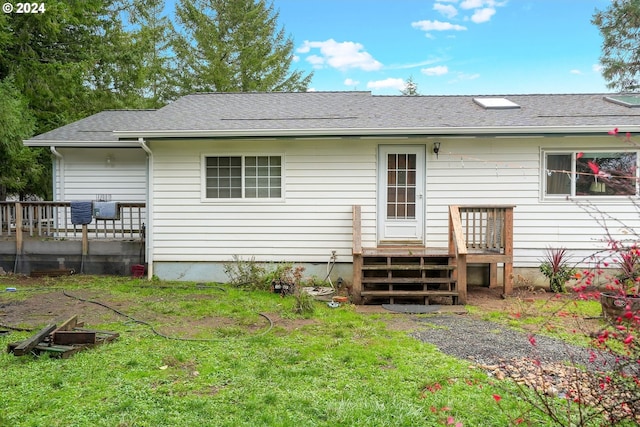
91,163
93,173
275,176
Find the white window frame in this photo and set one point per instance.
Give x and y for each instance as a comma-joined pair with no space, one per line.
546,172
243,178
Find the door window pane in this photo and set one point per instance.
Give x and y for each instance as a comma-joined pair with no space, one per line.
401,186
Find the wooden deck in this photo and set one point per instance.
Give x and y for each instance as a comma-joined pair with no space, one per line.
477,235
41,238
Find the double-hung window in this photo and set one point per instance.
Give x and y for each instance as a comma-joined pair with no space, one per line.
590,173
243,177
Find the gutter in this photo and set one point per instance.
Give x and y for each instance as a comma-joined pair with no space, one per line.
79,144
363,132
60,164
149,229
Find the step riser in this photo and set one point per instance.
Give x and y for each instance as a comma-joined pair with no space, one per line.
406,275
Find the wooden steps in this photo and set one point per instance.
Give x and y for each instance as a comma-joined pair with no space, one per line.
407,275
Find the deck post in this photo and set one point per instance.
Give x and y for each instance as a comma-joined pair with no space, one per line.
356,290
19,236
458,250
462,278
507,272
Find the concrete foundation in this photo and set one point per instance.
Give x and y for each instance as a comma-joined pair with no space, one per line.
104,257
214,272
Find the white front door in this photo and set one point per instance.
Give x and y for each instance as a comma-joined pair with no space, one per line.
401,182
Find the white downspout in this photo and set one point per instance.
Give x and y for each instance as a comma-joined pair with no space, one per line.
59,164
149,203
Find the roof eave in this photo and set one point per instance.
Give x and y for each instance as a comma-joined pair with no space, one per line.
428,131
80,144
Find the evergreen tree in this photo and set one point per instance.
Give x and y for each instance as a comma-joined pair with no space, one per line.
410,88
134,65
234,46
20,171
152,39
619,25
48,56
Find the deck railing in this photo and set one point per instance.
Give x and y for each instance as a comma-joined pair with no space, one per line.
484,226
52,220
483,235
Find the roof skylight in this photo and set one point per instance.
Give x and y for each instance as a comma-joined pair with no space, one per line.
630,101
495,103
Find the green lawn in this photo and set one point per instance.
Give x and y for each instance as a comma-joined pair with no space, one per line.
335,367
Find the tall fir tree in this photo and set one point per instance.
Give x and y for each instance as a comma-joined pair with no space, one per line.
135,68
410,88
20,171
234,46
49,55
152,37
619,25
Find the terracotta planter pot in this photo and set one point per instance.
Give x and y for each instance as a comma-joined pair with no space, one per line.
615,305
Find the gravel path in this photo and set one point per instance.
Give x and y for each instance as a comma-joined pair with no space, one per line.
489,343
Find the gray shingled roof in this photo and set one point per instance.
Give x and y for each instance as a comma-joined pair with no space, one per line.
97,128
212,114
361,110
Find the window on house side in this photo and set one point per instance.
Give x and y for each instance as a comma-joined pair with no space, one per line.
249,177
590,174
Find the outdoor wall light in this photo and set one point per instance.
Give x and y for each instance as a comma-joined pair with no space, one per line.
436,148
109,161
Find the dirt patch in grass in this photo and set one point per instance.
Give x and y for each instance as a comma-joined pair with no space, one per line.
33,306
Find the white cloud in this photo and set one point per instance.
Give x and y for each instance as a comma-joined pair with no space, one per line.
578,72
445,10
483,10
389,83
477,4
413,64
597,68
472,4
315,60
440,70
483,15
463,76
343,56
351,82
437,26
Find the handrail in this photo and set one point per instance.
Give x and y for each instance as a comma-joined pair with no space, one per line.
356,286
357,230
458,248
457,242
